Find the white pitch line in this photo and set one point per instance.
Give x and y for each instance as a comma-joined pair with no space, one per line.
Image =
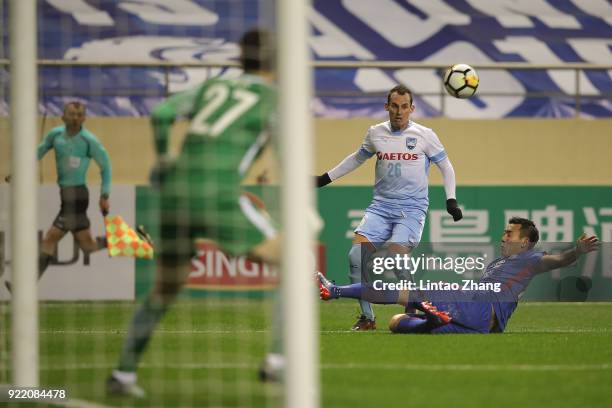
237,304
347,304
181,366
517,331
559,330
122,332
572,304
76,403
350,366
130,304
472,367
194,331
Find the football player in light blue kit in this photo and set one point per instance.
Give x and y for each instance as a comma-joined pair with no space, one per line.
404,152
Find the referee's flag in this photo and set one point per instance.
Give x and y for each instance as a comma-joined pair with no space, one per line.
124,241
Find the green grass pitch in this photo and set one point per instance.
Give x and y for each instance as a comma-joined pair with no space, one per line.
207,353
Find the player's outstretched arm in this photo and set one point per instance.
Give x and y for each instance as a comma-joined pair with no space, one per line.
448,176
584,245
350,163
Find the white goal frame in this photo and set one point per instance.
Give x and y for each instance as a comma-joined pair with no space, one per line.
24,255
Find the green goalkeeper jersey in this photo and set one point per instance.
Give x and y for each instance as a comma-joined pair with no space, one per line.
229,126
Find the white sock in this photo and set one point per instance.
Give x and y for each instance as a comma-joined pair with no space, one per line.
275,361
125,377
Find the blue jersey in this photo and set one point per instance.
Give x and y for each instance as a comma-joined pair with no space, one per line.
402,162
73,154
514,273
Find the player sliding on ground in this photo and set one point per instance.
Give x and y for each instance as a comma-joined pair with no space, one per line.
404,151
74,148
201,194
477,311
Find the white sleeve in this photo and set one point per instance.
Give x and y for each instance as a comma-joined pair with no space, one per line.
367,147
350,163
434,148
448,175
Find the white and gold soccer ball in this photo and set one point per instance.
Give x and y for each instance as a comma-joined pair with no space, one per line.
461,81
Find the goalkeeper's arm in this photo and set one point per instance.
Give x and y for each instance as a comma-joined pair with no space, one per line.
164,115
162,119
350,163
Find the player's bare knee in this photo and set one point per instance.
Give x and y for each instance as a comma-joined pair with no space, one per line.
50,240
395,321
400,248
53,236
361,239
87,244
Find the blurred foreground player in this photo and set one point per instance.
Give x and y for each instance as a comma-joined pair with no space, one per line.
74,148
404,151
475,311
201,195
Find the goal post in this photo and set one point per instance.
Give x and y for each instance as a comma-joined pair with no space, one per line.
300,319
23,108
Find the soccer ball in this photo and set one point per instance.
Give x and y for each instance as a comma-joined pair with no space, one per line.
461,81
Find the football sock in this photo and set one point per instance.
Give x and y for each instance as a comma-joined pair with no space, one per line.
366,309
139,333
382,297
276,342
352,291
355,276
366,291
125,377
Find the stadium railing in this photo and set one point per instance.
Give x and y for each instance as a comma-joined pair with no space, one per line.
167,66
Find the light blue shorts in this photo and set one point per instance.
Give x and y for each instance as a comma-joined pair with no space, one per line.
388,223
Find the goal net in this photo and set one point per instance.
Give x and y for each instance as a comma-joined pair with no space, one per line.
107,322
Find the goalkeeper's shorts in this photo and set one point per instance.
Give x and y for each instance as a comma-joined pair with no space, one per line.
236,226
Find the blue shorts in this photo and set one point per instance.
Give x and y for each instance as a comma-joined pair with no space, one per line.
470,316
470,313
388,223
